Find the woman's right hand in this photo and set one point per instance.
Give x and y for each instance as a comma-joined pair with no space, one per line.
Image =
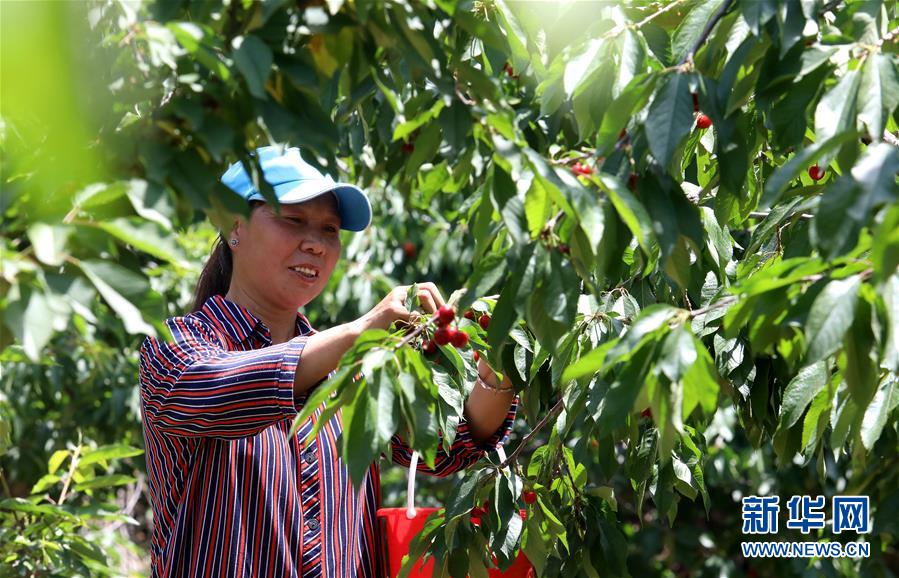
393,307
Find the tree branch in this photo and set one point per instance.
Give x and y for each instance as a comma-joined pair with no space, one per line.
706,31
540,425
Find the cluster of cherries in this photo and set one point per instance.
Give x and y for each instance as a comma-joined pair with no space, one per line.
581,169
446,334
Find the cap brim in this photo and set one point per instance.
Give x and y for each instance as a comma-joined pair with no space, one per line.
353,204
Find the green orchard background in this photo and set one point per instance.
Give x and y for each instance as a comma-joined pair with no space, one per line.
688,315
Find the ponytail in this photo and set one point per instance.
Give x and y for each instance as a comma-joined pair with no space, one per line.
215,279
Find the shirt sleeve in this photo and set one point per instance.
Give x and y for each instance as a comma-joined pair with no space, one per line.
464,452
193,386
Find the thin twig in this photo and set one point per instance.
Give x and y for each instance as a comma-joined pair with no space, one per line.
716,305
649,18
551,224
829,6
65,486
688,57
540,425
766,214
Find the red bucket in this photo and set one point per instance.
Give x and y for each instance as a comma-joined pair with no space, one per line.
399,529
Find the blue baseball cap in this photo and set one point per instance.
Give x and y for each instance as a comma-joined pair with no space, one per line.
295,181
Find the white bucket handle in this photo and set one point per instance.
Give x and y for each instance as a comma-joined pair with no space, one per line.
410,484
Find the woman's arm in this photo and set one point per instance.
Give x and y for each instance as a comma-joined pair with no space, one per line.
486,408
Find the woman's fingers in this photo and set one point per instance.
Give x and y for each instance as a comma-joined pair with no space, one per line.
427,301
434,292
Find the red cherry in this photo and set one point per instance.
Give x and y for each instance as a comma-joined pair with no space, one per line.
442,336
816,172
445,315
430,347
530,497
508,68
702,121
477,356
581,169
484,321
622,134
478,511
408,147
695,101
632,181
646,413
486,506
409,249
459,339
564,249
469,314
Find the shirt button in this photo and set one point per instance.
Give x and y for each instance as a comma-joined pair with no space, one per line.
309,457
312,524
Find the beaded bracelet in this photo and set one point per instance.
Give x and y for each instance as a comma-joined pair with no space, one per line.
495,390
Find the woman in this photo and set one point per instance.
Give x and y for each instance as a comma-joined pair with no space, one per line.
232,493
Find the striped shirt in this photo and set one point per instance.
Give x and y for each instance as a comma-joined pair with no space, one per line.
232,493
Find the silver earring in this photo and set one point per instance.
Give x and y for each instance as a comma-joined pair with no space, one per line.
234,242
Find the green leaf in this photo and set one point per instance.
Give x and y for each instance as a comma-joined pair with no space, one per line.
388,407
109,481
404,129
108,452
45,482
49,242
670,117
691,28
632,99
830,317
870,97
253,59
360,435
875,419
885,246
890,293
146,236
642,329
678,353
800,392
23,505
876,172
816,420
195,40
56,460
536,207
107,278
589,364
700,382
836,110
630,209
27,317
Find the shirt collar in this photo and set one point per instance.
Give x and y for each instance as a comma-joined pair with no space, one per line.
239,323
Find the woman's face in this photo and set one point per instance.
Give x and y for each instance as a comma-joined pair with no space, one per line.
273,248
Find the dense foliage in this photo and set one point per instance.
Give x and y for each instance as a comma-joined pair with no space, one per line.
680,216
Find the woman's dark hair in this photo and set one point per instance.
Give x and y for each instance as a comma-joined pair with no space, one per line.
215,278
